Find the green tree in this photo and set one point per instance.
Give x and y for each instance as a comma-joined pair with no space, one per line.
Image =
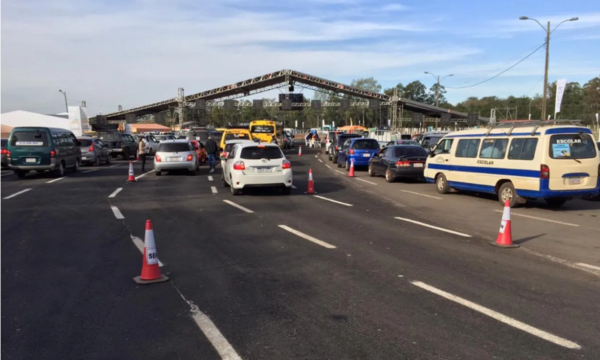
416,91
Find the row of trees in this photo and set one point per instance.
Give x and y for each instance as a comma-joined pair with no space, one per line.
579,102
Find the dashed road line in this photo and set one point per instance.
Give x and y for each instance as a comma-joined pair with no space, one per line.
368,182
213,189
416,193
339,172
333,201
500,317
238,206
433,227
320,160
16,194
561,261
89,171
144,174
117,212
328,166
307,237
541,219
55,180
114,165
593,267
210,178
294,187
139,243
115,193
6,174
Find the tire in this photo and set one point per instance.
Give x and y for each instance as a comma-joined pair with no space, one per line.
388,175
126,155
77,165
507,192
158,173
339,165
286,190
441,184
554,203
108,160
371,172
347,166
193,172
97,161
330,158
20,174
60,172
234,192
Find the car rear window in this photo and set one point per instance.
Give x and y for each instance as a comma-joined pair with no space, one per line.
256,153
173,147
85,142
366,145
29,138
572,146
233,136
110,137
341,139
401,151
262,129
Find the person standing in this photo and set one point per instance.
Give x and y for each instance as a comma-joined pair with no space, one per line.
142,147
212,151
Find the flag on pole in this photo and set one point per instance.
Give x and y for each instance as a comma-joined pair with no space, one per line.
560,89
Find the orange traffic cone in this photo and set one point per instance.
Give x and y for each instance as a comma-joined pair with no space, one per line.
150,266
311,184
300,150
504,238
351,172
131,177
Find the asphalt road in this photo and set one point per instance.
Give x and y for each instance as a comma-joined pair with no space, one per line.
267,276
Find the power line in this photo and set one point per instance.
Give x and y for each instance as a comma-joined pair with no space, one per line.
502,72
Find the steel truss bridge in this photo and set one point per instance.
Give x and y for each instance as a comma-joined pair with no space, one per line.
283,78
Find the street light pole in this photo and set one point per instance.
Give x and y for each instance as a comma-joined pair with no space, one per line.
66,104
548,32
437,88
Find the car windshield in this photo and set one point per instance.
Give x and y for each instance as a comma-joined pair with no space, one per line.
257,153
85,142
262,129
174,147
402,151
29,138
366,145
572,146
233,136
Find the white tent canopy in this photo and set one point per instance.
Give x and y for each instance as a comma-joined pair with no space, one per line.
77,121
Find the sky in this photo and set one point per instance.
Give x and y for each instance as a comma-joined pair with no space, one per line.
136,52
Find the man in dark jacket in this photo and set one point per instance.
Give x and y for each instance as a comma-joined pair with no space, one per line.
212,152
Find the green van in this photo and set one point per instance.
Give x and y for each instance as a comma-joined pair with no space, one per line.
40,149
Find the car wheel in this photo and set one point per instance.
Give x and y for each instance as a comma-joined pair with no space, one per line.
286,190
20,174
388,175
554,203
193,172
60,172
347,166
108,160
371,172
157,173
234,192
76,167
507,192
339,165
97,161
442,184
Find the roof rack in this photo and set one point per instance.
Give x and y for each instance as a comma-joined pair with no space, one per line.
535,123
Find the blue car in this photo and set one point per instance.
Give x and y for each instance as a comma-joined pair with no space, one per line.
359,150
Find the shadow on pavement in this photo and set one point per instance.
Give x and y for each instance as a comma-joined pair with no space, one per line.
524,240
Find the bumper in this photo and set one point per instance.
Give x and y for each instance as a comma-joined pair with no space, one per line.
360,161
34,167
166,166
239,180
408,173
88,157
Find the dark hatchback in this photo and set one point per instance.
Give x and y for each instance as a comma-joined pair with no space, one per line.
336,146
400,161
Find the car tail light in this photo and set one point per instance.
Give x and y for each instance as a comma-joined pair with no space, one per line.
239,165
91,149
52,153
286,165
544,172
190,157
5,152
157,158
336,148
351,152
402,163
224,154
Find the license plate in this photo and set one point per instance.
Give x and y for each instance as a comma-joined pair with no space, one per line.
418,165
575,181
30,160
263,170
367,155
174,159
84,158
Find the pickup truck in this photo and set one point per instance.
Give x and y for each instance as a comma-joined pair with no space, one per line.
119,144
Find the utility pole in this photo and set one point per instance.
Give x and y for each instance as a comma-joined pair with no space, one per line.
437,88
66,104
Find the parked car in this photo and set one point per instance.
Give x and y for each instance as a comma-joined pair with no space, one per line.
257,165
228,146
200,150
93,151
288,141
4,152
336,146
359,150
42,149
151,143
401,142
329,140
597,196
399,161
120,144
176,155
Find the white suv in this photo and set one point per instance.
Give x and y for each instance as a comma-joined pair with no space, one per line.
257,165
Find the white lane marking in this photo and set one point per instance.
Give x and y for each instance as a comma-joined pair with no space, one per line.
210,178
5,174
339,171
238,206
115,165
500,317
293,187
89,171
416,193
328,166
115,193
17,194
541,219
144,174
212,333
433,227
320,160
139,243
307,237
368,182
593,267
316,156
333,201
117,212
51,181
560,261
213,189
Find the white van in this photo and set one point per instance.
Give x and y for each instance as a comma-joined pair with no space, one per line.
518,161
